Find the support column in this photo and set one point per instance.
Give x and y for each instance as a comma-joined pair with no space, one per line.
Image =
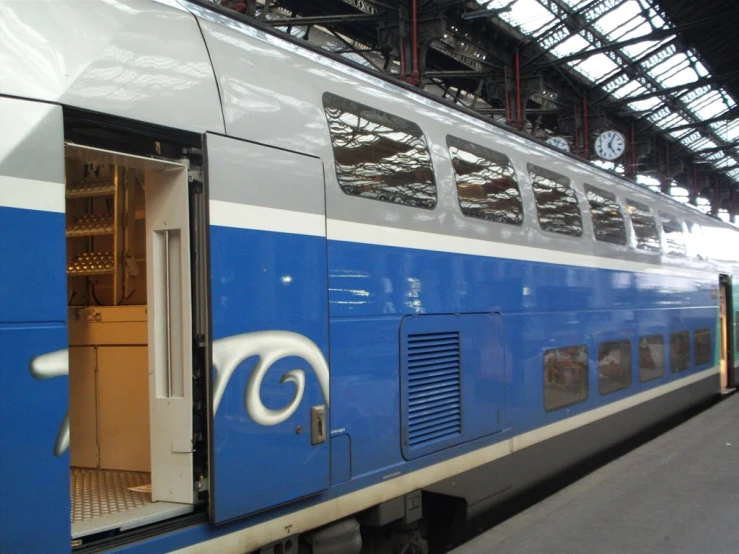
664,184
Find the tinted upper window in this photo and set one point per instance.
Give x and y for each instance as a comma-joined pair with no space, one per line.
378,155
565,376
556,202
644,225
614,366
486,183
651,357
673,235
608,221
680,351
703,347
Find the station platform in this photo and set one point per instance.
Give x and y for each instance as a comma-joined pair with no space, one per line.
678,493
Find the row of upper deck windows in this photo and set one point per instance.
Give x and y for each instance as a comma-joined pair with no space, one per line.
385,157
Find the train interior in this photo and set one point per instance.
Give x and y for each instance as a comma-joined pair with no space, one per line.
126,283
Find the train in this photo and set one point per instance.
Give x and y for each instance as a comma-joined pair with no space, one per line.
257,298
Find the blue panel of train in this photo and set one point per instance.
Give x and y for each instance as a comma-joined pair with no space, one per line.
255,297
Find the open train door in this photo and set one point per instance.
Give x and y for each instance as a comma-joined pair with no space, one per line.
727,334
34,435
269,305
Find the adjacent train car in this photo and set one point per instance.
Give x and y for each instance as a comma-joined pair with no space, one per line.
255,297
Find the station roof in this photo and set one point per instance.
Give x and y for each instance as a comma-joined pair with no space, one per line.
669,67
631,50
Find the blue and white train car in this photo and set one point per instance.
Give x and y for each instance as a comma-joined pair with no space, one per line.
253,295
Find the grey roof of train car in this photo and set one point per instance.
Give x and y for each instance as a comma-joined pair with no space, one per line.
455,107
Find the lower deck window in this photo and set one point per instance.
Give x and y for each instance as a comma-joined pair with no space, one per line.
614,366
565,376
679,351
651,357
703,347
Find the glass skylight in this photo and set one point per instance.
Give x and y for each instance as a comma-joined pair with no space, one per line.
664,67
617,17
729,131
637,27
640,48
708,106
646,104
528,15
573,44
596,66
631,88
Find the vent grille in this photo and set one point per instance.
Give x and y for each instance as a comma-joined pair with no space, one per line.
434,388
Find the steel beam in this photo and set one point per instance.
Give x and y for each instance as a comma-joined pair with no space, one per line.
324,19
666,91
656,35
731,114
461,74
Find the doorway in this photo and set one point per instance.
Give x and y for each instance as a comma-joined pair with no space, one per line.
726,334
130,340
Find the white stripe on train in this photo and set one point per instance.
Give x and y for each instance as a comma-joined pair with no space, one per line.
251,538
229,214
340,230
30,194
48,196
244,216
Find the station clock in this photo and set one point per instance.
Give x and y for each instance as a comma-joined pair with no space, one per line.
559,142
610,145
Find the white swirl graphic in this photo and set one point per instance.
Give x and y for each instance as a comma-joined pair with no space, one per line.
270,346
228,353
46,366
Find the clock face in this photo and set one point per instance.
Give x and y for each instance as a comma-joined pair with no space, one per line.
559,142
610,145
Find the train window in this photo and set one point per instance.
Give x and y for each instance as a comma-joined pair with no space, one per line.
486,183
378,155
608,221
556,202
679,351
703,347
565,376
673,235
651,357
614,366
644,225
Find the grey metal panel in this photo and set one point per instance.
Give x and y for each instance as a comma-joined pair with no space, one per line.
272,94
278,109
31,139
233,163
140,60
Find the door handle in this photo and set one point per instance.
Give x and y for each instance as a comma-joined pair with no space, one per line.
318,424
